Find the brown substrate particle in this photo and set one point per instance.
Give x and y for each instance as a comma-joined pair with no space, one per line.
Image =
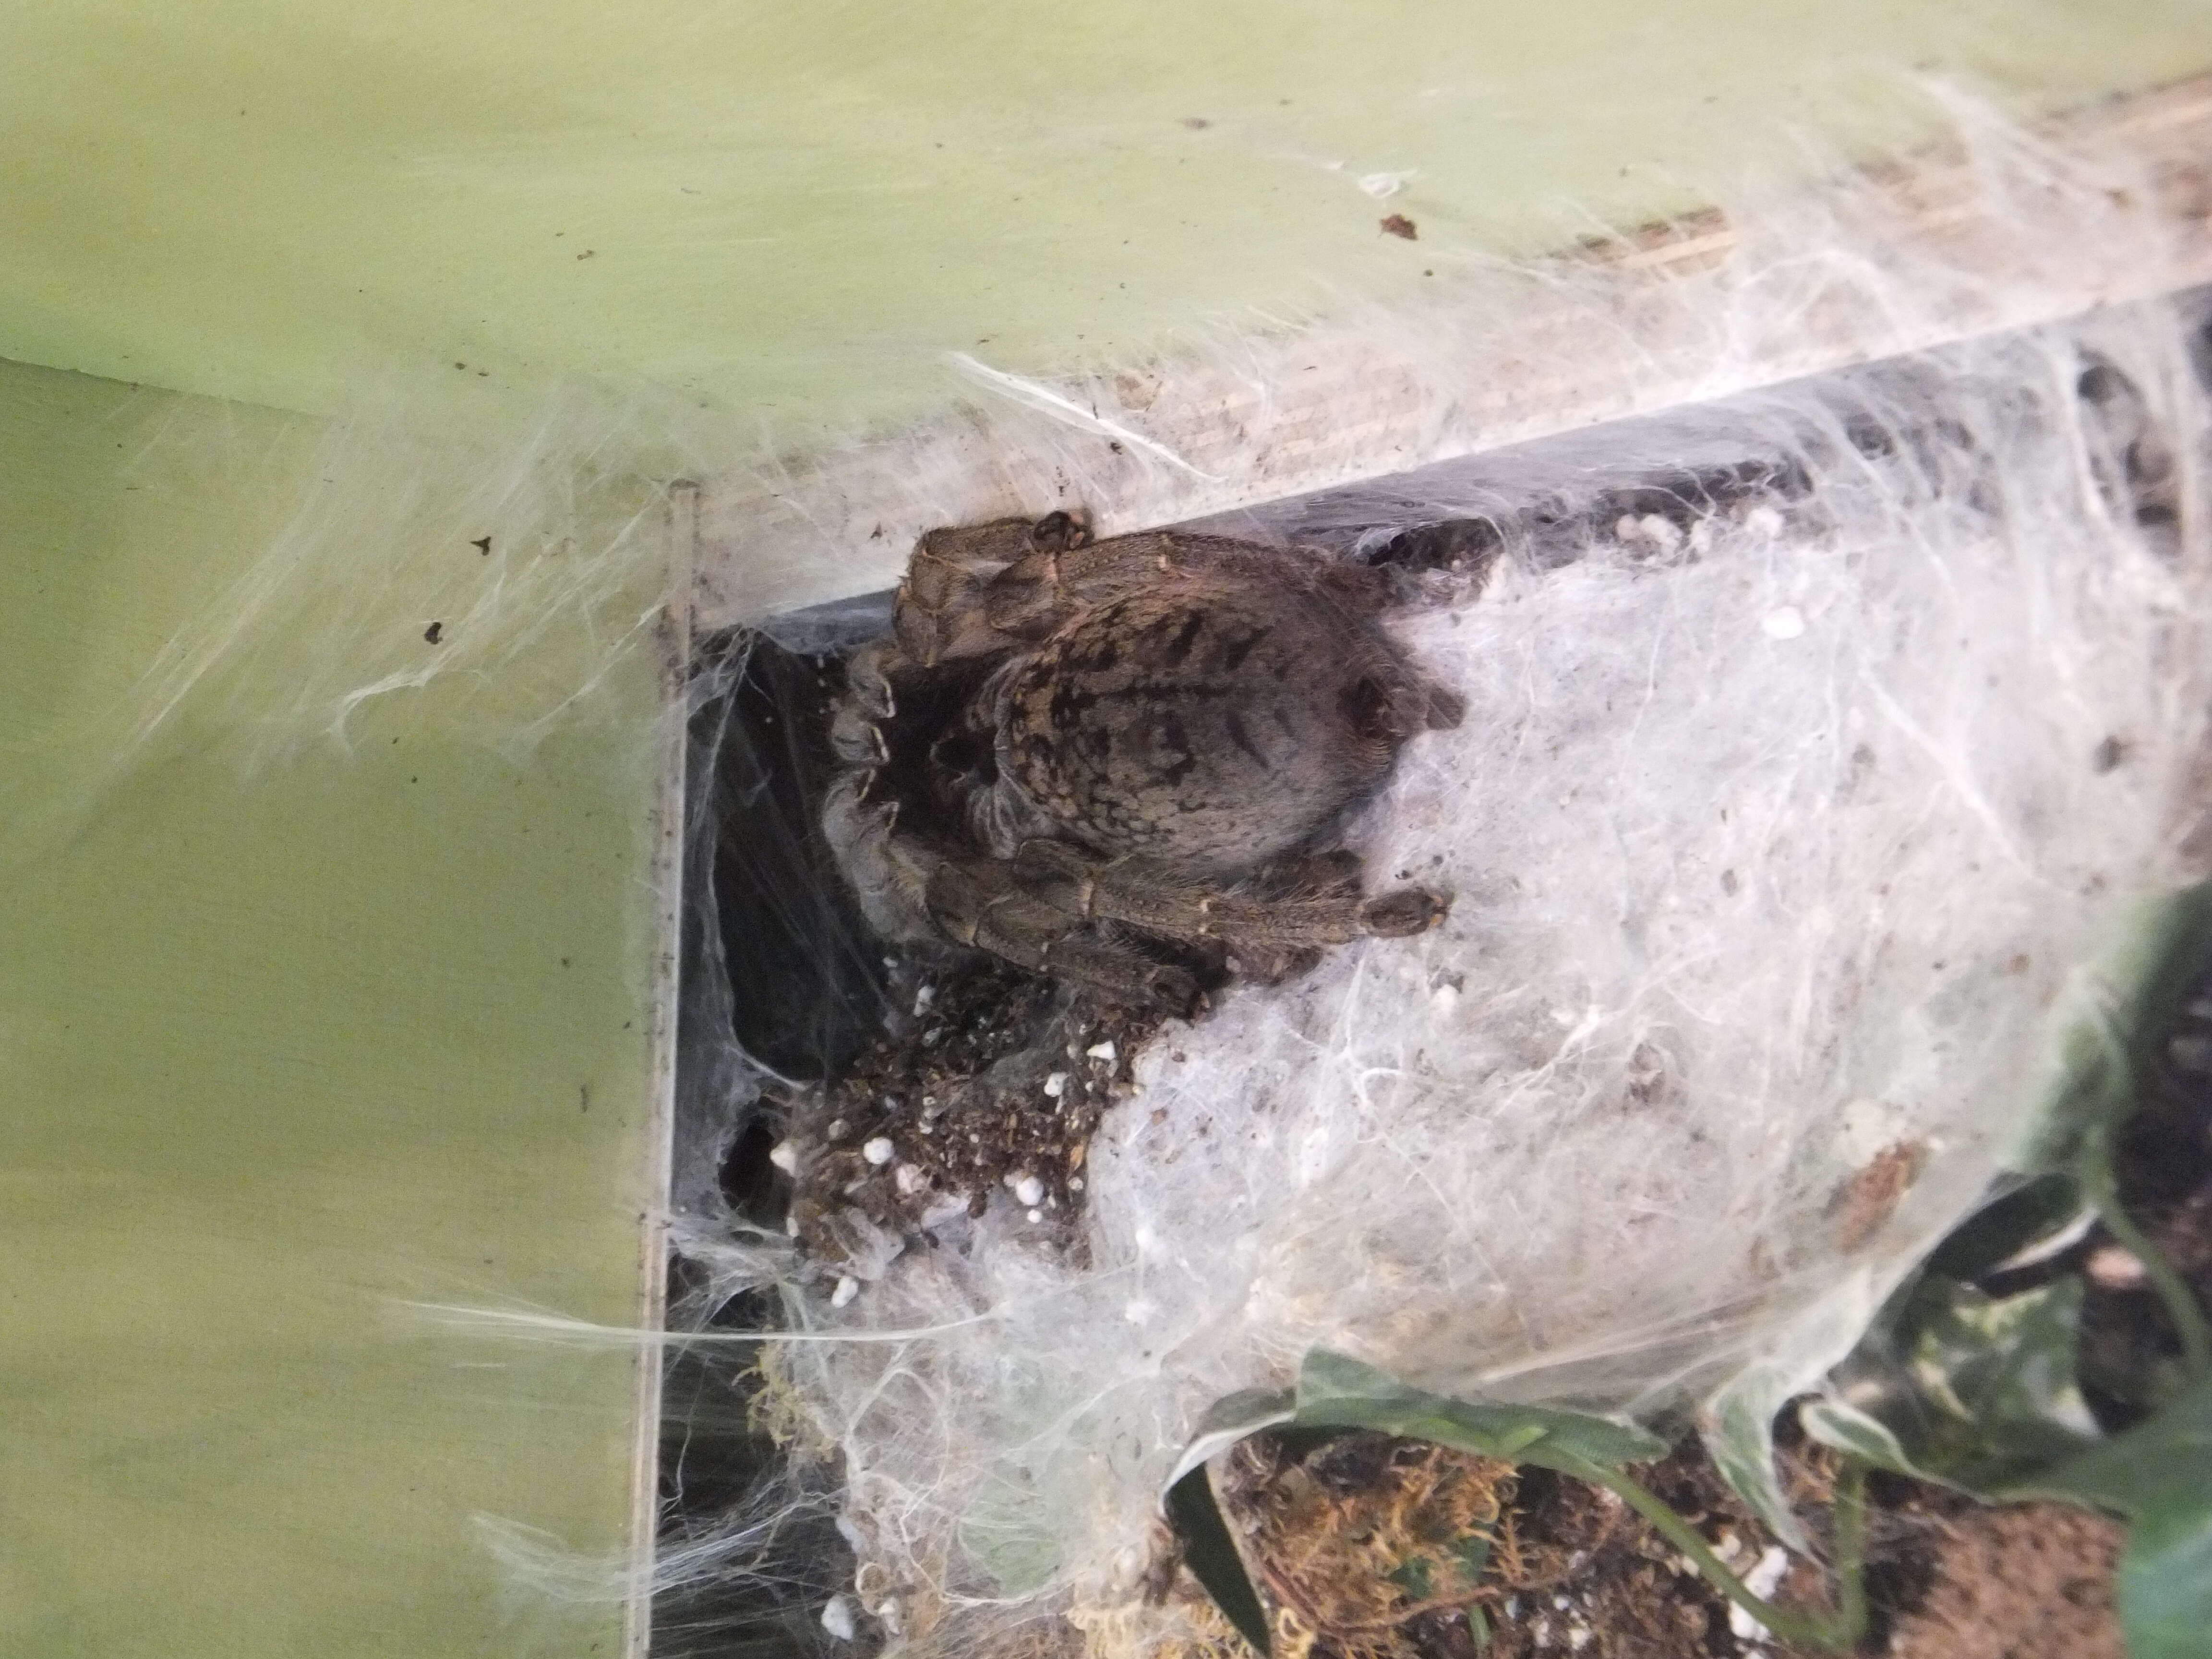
986,1085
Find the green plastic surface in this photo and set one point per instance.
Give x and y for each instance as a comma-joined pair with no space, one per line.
795,211
281,1051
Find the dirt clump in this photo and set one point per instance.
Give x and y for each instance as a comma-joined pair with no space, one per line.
2016,1581
984,1086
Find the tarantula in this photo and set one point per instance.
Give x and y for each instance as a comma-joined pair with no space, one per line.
1117,761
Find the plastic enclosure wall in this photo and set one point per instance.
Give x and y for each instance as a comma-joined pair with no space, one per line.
287,1047
795,213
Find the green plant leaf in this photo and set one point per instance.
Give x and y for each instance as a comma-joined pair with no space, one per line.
1211,1553
1416,1577
2159,1473
1010,1546
2127,1002
1971,1391
1738,1432
1948,1383
1925,1331
1337,1391
1187,1499
1228,1420
1838,1423
1736,1422
1955,1386
1473,1552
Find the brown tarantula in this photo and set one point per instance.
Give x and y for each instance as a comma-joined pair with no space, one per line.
1116,762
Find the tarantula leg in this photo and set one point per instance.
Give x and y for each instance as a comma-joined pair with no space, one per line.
978,908
868,684
1127,974
985,908
855,736
889,873
1295,905
939,614
1394,914
1403,911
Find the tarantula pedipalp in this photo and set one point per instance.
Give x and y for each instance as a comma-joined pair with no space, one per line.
1116,762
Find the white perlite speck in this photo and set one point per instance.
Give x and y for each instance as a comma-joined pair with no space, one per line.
1765,1577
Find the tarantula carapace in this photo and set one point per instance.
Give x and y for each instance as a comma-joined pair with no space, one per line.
1119,762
